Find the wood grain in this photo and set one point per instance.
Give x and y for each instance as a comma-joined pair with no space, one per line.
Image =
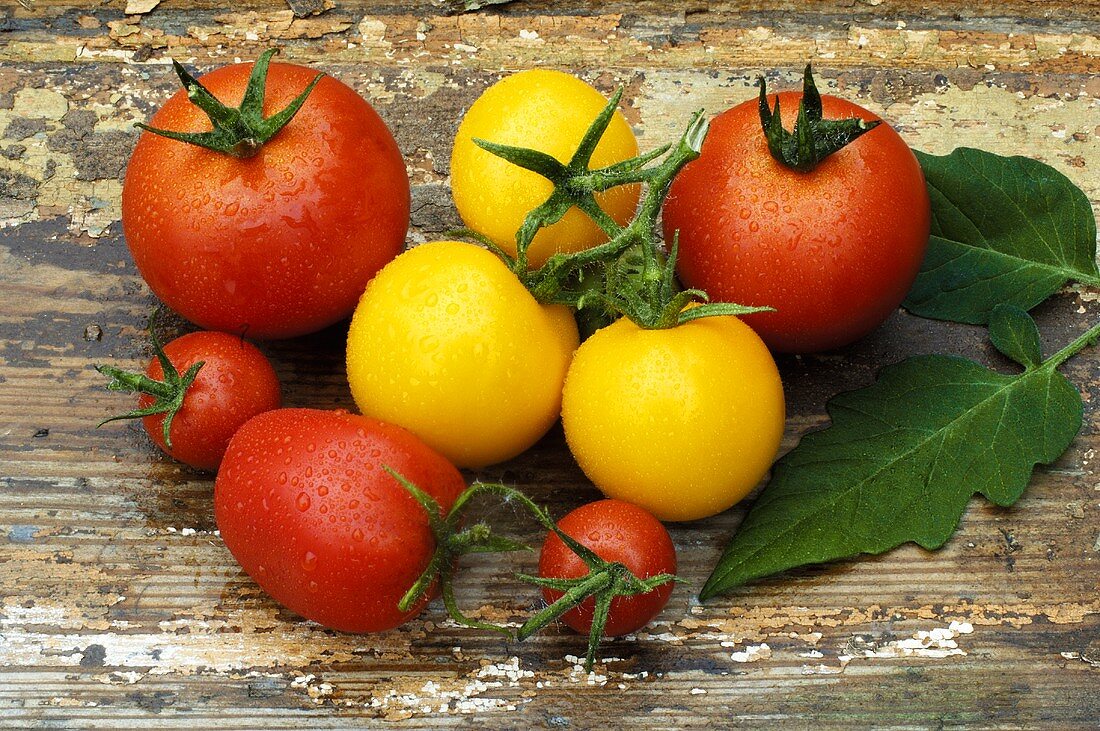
121,607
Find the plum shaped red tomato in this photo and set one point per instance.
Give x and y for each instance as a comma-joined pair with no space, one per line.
305,504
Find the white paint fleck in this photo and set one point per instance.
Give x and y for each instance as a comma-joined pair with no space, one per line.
752,653
937,643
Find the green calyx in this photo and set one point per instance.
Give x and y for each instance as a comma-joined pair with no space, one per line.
451,543
626,275
813,138
168,395
605,580
242,131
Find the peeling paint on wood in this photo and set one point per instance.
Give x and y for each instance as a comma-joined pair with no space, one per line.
121,606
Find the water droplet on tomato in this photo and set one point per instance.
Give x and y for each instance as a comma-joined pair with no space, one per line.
309,561
322,490
357,534
303,502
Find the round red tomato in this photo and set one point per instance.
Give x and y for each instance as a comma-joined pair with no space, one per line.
235,383
304,504
833,250
278,244
617,532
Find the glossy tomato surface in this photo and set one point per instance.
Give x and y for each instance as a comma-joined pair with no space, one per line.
683,422
304,504
279,244
235,383
448,343
548,111
617,532
833,250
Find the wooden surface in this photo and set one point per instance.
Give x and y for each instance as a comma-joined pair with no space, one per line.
120,605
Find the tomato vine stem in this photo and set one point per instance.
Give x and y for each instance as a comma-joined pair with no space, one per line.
627,274
604,581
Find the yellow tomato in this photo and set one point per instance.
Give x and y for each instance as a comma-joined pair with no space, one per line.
683,422
447,343
548,111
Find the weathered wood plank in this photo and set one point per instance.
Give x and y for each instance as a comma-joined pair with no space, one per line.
120,606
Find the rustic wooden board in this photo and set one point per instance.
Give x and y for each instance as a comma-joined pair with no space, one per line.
121,607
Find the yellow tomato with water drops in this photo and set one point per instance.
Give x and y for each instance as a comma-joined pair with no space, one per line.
548,111
448,343
683,422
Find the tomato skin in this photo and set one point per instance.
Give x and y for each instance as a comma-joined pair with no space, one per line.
279,244
618,532
683,422
834,250
304,505
235,383
548,111
448,343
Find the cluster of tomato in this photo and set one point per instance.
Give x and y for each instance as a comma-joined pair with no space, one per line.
288,212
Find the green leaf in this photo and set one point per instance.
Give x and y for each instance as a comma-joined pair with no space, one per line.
1014,333
900,462
1004,230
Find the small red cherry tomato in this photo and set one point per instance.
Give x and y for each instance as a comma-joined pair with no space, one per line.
617,532
215,382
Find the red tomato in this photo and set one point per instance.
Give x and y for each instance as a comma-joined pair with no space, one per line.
235,383
833,250
616,532
278,244
304,505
